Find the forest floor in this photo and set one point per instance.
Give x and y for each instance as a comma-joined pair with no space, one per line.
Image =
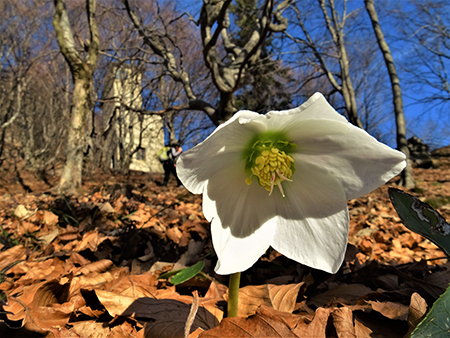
88,266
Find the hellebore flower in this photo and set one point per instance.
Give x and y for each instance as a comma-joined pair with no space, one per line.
283,180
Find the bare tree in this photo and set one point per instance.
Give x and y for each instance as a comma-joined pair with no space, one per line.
407,175
82,75
125,133
226,61
32,111
341,81
425,31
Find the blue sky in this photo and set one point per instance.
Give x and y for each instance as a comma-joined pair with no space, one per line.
427,121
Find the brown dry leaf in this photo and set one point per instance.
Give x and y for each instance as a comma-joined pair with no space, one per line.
37,295
167,317
343,322
114,303
46,270
316,327
135,286
63,332
14,254
260,325
211,306
189,208
278,297
46,317
90,329
48,238
22,212
45,217
216,291
215,294
121,331
95,267
199,226
28,227
90,241
196,333
268,322
417,309
95,280
346,293
76,258
362,331
69,236
174,234
390,310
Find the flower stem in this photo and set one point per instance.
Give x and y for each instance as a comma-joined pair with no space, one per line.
233,294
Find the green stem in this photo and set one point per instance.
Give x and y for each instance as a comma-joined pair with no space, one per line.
233,294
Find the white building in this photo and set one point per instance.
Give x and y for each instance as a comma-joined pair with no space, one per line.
134,132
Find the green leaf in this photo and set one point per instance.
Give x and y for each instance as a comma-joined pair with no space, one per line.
421,218
436,323
168,274
181,276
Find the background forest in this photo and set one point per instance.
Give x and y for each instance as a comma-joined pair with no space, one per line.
100,84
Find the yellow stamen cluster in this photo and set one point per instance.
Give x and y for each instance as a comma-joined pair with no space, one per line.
272,167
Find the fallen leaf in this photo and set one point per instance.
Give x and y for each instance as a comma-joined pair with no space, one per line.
390,310
91,329
22,212
35,296
47,239
114,303
316,327
417,311
278,297
346,293
263,324
167,317
343,322
95,267
14,254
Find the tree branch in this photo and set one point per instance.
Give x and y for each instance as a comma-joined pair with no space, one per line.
157,45
64,35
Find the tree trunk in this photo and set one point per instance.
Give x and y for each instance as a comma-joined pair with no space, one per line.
72,171
82,75
336,29
347,87
407,177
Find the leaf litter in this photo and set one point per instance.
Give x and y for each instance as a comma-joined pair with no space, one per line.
89,266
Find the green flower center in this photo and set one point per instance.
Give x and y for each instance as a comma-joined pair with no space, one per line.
267,157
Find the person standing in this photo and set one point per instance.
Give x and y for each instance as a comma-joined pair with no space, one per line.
168,156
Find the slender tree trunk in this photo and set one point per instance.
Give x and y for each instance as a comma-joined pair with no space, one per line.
336,29
347,87
407,175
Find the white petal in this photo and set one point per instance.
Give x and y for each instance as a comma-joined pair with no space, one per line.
356,159
238,254
242,218
316,107
224,145
313,222
325,139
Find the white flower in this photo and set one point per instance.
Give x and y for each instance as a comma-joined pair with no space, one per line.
312,155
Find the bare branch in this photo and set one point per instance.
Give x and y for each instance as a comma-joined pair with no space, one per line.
156,43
